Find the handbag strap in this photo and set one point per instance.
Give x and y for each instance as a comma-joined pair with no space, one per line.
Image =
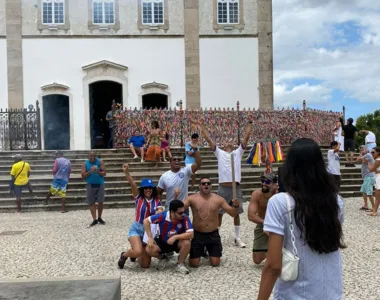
291,226
20,171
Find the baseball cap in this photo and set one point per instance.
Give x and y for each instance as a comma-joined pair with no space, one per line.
147,182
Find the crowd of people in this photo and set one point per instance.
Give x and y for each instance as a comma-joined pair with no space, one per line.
298,213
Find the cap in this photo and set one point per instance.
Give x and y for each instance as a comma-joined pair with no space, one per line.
270,176
18,156
146,182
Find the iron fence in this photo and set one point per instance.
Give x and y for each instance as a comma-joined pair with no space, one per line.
20,129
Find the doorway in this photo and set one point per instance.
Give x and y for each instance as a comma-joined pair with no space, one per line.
153,101
56,113
102,95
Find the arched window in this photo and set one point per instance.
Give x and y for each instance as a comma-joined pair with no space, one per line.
152,12
228,12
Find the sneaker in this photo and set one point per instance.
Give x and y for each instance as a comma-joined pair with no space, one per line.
182,269
100,220
239,243
93,223
169,254
162,263
135,157
122,260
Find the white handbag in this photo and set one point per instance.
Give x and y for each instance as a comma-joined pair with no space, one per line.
290,259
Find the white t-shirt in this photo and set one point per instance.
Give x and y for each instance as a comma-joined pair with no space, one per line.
224,164
155,229
333,166
370,138
170,180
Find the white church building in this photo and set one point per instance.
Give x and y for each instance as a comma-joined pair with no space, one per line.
77,56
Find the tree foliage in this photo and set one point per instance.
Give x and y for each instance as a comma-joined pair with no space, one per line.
369,122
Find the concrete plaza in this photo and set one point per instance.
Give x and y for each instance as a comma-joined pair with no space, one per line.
60,245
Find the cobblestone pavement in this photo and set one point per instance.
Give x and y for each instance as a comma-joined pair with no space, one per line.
60,245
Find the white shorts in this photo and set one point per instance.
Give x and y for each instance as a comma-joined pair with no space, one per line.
377,182
189,165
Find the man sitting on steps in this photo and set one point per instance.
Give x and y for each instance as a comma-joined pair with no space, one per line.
137,145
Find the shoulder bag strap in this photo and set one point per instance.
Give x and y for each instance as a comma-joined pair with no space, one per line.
20,171
291,226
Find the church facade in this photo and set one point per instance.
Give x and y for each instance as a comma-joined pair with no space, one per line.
77,57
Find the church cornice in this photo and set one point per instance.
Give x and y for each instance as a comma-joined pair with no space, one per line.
104,64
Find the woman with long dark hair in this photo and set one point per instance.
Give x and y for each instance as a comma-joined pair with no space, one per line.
146,202
317,211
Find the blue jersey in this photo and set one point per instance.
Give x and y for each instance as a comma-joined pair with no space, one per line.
167,228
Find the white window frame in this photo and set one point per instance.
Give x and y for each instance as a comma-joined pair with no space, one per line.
228,11
152,8
52,11
103,12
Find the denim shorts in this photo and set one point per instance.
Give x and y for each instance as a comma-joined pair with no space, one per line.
136,229
367,186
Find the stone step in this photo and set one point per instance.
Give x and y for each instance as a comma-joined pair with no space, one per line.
248,176
34,205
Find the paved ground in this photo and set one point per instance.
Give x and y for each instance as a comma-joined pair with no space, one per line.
57,245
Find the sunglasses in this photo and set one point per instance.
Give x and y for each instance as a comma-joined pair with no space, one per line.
266,181
206,183
176,159
373,152
148,188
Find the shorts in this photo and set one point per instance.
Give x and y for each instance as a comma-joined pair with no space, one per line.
226,193
210,240
94,193
337,181
165,247
377,182
349,145
260,241
189,165
370,146
136,229
18,189
367,186
58,187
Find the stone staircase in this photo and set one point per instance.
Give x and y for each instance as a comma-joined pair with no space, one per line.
118,192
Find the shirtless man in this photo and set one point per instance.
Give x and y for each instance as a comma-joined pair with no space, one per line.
256,214
205,206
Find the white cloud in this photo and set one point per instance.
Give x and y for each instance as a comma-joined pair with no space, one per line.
307,45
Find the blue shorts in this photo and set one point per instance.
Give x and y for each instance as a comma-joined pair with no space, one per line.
136,229
367,186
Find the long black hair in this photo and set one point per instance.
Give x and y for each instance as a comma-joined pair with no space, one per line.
141,193
316,208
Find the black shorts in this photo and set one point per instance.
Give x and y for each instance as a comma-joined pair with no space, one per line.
210,240
165,247
349,145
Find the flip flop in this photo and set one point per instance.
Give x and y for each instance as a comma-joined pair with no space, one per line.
364,208
368,210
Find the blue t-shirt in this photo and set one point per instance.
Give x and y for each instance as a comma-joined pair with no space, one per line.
94,178
137,141
189,159
167,228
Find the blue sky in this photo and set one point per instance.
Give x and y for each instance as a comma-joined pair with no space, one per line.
327,52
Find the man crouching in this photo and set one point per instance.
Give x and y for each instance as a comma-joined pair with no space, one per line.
175,233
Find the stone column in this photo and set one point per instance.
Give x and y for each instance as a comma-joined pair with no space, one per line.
192,68
264,28
14,53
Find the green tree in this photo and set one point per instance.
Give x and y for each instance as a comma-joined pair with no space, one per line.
369,122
